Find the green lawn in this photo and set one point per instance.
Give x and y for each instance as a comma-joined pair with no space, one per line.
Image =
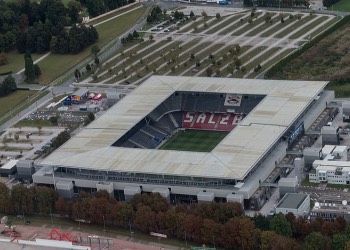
33,123
55,65
12,100
341,90
14,103
306,182
15,61
194,140
342,5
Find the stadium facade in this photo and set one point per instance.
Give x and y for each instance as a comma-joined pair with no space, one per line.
119,152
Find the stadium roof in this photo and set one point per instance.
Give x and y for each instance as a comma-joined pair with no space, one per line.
232,158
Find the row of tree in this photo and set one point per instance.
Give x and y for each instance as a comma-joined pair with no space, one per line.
329,3
276,3
78,38
220,224
130,37
155,15
97,7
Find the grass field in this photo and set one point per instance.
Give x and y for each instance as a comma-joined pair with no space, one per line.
342,5
194,140
13,100
15,61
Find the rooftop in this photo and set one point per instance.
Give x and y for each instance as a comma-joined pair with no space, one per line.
233,157
292,200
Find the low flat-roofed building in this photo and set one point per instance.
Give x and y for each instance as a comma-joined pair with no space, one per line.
8,168
330,211
296,203
331,171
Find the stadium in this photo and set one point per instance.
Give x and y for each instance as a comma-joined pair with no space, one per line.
191,139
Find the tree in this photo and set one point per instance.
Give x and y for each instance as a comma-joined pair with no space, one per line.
151,37
5,203
37,70
149,19
192,56
145,219
7,86
22,199
60,206
97,60
209,71
16,136
135,34
191,14
45,199
339,241
73,9
29,70
218,16
239,233
60,139
95,50
211,230
54,120
280,225
77,74
261,222
204,14
315,241
89,118
125,213
267,17
3,58
88,68
257,68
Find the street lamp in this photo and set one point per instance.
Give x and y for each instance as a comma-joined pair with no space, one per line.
130,229
214,241
104,224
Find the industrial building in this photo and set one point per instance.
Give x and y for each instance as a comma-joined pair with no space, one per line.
114,154
298,204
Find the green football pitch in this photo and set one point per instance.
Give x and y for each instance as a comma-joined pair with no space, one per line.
194,140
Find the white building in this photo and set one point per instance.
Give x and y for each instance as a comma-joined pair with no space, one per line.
333,168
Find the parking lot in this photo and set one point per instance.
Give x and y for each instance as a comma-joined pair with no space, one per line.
16,143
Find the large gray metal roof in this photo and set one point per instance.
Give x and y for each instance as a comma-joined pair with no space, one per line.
233,157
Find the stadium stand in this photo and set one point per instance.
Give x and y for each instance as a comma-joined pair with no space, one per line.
203,111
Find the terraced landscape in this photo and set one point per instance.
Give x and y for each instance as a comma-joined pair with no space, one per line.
235,45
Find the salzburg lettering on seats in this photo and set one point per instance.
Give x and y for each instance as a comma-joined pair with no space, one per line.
211,121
